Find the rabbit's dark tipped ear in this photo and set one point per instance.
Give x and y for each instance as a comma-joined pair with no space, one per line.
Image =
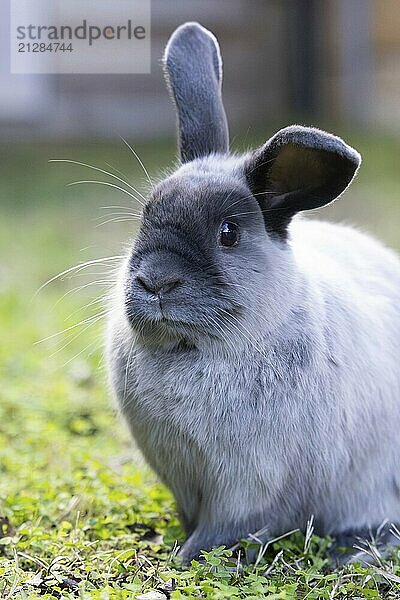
193,70
299,168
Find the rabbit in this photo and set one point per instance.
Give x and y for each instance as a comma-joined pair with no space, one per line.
254,353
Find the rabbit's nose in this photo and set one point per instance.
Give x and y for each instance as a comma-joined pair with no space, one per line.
155,287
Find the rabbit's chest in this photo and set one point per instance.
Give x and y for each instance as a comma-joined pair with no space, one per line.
193,417
194,396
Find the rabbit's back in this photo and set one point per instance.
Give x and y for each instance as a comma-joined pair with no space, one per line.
354,283
354,256
357,280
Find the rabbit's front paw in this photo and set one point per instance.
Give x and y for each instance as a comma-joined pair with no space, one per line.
191,550
200,540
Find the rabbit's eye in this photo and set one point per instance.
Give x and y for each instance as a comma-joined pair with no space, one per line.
228,234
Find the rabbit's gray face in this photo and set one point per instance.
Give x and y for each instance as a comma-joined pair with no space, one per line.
198,258
212,251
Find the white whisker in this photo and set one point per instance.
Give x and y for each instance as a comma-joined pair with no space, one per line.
124,175
71,327
119,214
139,161
106,183
100,300
119,206
76,162
117,220
71,340
92,343
80,288
78,268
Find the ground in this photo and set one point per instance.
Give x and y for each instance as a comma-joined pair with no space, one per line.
81,516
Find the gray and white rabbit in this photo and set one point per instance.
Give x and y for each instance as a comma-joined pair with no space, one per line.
254,354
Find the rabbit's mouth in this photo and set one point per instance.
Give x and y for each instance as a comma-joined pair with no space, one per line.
157,316
176,325
167,332
161,325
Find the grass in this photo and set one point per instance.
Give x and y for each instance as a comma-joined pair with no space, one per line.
81,516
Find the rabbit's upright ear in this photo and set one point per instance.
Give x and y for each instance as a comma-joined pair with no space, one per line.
299,168
193,71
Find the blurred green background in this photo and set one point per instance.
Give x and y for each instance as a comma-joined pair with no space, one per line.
67,474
